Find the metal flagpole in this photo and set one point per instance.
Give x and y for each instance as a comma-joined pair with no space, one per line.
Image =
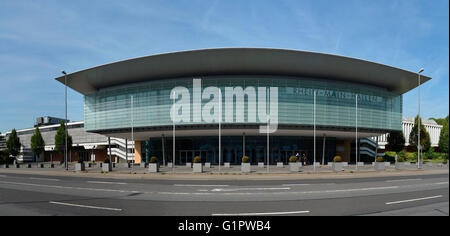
132,136
314,162
220,128
356,157
268,140
173,134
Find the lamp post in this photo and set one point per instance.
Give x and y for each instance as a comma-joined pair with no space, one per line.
65,122
418,127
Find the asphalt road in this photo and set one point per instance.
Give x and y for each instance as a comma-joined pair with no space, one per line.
31,194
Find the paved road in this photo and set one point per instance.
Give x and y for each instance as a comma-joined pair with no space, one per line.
31,194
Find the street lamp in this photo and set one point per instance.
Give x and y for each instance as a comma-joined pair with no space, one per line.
418,127
65,122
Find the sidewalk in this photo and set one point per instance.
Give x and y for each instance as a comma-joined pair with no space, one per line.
233,173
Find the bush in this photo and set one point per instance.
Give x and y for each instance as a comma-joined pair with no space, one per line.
197,159
106,160
430,154
153,159
380,159
403,155
80,161
389,156
337,159
245,159
293,159
401,159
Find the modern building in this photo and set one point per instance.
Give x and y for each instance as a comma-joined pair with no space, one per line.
132,99
2,142
433,129
48,120
86,146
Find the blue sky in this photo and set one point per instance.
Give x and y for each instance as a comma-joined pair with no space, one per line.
38,39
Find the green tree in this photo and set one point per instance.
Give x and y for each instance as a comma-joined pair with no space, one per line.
60,139
424,136
13,144
396,141
443,138
37,143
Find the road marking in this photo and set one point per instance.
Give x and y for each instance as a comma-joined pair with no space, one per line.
99,182
85,206
413,200
44,179
65,187
261,214
400,180
199,185
239,189
296,184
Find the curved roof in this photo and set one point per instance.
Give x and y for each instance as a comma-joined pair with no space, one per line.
255,61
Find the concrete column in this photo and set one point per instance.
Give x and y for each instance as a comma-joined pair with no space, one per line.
126,150
163,150
137,151
323,150
243,144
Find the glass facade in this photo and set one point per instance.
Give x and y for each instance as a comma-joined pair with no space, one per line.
281,148
335,104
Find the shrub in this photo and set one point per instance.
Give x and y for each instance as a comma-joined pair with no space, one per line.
293,159
389,156
403,155
80,161
245,159
401,159
153,159
197,159
337,159
380,159
106,160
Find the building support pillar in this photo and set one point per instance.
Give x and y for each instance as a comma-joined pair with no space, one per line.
109,147
376,148
243,144
126,150
163,150
137,152
323,149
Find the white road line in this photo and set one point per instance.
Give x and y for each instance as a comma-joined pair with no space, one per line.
413,200
85,206
240,189
400,180
261,214
199,185
44,179
65,187
296,184
99,182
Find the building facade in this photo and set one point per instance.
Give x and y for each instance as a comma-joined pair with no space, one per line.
218,100
433,129
85,146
